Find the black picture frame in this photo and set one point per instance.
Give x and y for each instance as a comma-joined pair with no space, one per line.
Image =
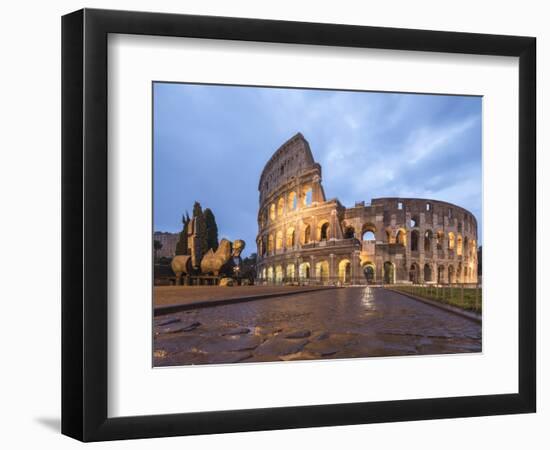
84,224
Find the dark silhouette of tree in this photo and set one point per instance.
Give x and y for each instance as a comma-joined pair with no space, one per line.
200,230
182,244
211,230
479,260
157,245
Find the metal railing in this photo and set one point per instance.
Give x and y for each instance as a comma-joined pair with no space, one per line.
463,295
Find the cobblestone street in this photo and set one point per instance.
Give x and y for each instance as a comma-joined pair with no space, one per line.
337,323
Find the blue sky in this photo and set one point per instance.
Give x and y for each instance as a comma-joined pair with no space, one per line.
212,142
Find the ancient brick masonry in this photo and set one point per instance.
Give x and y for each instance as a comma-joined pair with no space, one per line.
303,237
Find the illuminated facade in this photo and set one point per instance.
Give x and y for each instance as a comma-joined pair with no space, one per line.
305,238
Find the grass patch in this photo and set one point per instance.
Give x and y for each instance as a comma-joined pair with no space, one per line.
468,298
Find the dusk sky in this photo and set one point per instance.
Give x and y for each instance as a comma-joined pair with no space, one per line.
212,142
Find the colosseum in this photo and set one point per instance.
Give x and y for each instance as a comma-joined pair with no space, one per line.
305,238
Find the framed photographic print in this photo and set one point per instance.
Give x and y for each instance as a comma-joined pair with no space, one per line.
273,224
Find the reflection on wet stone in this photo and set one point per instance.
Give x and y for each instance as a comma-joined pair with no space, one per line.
341,323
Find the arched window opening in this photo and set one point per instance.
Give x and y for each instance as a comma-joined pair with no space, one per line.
369,236
451,277
292,201
279,240
401,237
306,196
270,244
427,273
451,240
272,211
344,271
290,238
369,272
270,277
389,273
280,207
290,272
414,241
414,222
304,271
307,234
321,271
459,245
323,232
279,274
349,232
428,235
440,238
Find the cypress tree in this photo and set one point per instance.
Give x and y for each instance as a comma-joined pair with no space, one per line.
211,229
200,229
182,245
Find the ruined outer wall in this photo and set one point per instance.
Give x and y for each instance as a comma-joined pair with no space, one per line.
304,237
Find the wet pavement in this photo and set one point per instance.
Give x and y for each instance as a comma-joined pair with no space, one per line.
339,323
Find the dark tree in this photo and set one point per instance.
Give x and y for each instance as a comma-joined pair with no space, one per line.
182,245
479,260
157,245
211,230
200,230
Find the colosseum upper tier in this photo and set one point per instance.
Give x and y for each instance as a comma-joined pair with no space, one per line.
303,237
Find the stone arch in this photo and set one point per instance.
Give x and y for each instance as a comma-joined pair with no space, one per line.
440,237
414,273
344,271
427,273
459,245
401,236
389,272
270,244
272,211
428,237
306,234
323,230
270,274
263,274
414,240
415,221
322,271
369,270
304,271
280,207
349,232
368,226
451,275
290,272
279,240
306,195
466,247
290,237
368,232
451,240
279,274
292,201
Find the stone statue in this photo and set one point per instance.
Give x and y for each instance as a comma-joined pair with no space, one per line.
223,259
181,265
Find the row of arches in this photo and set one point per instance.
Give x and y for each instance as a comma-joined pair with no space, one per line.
289,202
304,271
288,238
448,274
429,240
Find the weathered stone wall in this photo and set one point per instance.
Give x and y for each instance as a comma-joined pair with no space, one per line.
302,236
